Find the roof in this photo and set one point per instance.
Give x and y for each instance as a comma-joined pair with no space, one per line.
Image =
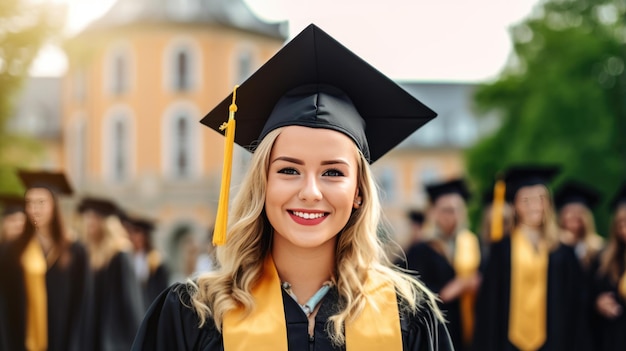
230,13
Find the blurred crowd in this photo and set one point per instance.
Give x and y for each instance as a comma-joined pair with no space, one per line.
536,257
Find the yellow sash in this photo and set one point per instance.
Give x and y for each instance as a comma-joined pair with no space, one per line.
376,328
466,262
529,290
34,264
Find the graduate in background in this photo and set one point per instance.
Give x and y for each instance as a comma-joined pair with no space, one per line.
12,217
150,270
532,293
448,260
609,288
43,275
115,303
302,266
575,202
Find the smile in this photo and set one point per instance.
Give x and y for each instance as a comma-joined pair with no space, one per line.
308,218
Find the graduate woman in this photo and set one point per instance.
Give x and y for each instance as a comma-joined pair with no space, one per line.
302,267
531,296
609,289
115,305
448,261
575,202
43,275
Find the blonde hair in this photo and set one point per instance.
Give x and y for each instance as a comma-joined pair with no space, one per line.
592,240
358,251
114,240
613,259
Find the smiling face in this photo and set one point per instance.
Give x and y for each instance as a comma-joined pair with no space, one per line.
311,186
572,218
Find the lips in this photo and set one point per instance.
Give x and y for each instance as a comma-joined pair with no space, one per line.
308,217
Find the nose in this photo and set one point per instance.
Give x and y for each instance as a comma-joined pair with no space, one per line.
310,190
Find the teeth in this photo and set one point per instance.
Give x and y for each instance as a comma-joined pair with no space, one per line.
307,215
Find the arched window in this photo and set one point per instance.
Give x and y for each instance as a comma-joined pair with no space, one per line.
244,65
118,146
182,65
182,71
181,148
181,145
119,70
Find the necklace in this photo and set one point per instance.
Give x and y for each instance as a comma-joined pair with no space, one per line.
310,305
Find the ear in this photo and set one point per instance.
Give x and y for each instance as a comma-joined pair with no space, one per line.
358,200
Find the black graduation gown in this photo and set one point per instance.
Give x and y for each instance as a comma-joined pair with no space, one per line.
66,299
115,307
609,334
155,284
171,325
566,308
435,271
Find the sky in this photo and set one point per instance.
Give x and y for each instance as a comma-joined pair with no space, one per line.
417,40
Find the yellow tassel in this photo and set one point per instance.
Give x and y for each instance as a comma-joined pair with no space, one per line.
497,210
221,220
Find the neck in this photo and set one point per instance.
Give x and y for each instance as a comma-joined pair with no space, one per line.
43,232
305,269
533,233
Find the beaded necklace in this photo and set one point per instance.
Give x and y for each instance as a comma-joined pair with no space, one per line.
310,305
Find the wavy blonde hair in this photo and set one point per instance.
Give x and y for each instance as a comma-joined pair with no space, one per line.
592,240
358,252
613,258
114,240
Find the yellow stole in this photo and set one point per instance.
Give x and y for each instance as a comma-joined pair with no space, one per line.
466,262
529,291
35,267
376,328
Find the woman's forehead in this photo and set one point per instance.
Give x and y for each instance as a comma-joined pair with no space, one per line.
314,143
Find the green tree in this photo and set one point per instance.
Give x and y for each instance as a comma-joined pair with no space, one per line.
561,99
25,26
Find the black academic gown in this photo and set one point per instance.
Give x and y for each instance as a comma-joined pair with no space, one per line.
172,325
435,271
157,281
566,308
609,334
66,298
115,307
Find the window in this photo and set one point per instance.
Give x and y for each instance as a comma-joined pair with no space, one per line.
181,66
181,146
244,65
182,71
78,148
119,71
118,145
387,184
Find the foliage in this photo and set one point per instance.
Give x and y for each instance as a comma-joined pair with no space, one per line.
562,98
25,27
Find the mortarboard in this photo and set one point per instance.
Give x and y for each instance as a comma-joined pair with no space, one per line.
576,192
456,186
143,223
619,198
103,207
56,182
314,81
416,216
519,176
11,204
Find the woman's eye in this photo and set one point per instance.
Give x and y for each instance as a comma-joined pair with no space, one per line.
333,173
290,171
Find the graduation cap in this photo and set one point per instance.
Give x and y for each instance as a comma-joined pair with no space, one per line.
11,204
519,176
145,224
101,206
576,192
56,182
314,81
456,186
416,216
619,198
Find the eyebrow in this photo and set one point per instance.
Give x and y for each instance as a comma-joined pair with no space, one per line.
300,162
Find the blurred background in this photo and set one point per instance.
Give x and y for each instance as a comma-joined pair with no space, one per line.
111,91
